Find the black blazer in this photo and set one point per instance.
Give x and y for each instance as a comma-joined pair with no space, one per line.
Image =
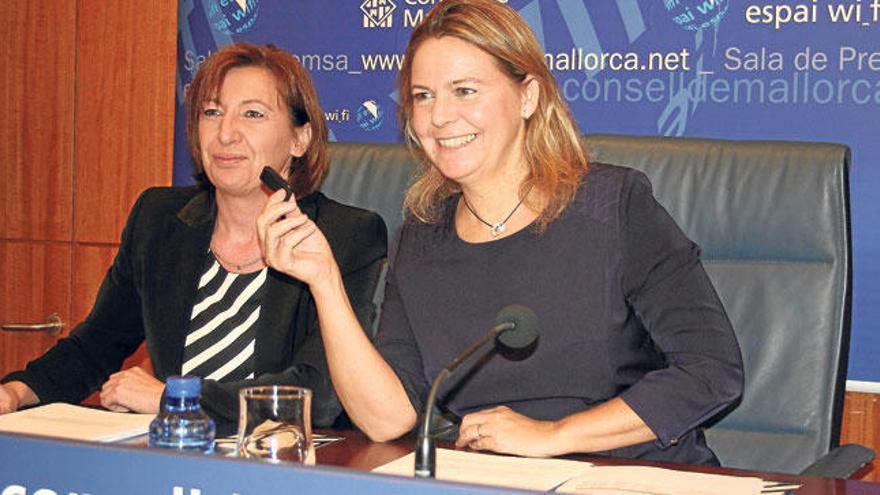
149,291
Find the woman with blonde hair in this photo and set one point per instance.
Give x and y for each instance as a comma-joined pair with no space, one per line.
635,352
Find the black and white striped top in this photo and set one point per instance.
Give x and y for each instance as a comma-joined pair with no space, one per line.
220,342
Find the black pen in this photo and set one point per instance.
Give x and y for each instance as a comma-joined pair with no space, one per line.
274,181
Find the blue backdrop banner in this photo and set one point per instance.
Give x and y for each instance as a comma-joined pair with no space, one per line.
770,69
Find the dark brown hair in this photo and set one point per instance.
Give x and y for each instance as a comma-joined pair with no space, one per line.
553,152
295,89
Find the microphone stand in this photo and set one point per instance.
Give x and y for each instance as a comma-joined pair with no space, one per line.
426,452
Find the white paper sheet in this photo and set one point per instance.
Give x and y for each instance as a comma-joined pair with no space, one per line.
76,422
641,480
497,470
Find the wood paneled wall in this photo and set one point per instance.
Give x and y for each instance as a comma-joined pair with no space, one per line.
125,79
124,122
861,425
88,107
37,80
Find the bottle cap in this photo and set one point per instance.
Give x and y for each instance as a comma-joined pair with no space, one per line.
183,387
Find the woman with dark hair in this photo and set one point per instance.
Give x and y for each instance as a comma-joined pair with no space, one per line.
190,278
635,352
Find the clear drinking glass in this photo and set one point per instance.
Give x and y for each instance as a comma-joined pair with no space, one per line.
275,424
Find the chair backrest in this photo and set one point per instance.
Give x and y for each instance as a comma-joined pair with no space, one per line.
371,176
772,219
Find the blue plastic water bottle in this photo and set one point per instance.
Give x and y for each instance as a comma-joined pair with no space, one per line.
181,424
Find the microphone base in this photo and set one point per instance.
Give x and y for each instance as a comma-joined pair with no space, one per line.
426,457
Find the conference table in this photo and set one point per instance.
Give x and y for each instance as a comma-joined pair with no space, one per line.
45,466
359,453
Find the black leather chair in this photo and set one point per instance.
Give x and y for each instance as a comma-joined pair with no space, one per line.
372,176
772,219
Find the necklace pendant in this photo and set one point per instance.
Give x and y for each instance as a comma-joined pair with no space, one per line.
497,229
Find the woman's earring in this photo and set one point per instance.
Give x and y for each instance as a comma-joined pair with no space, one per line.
526,107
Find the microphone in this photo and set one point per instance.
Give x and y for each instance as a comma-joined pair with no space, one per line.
516,327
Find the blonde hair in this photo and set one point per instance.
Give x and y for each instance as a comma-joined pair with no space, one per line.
552,149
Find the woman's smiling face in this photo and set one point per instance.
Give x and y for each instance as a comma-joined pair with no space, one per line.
246,127
468,115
